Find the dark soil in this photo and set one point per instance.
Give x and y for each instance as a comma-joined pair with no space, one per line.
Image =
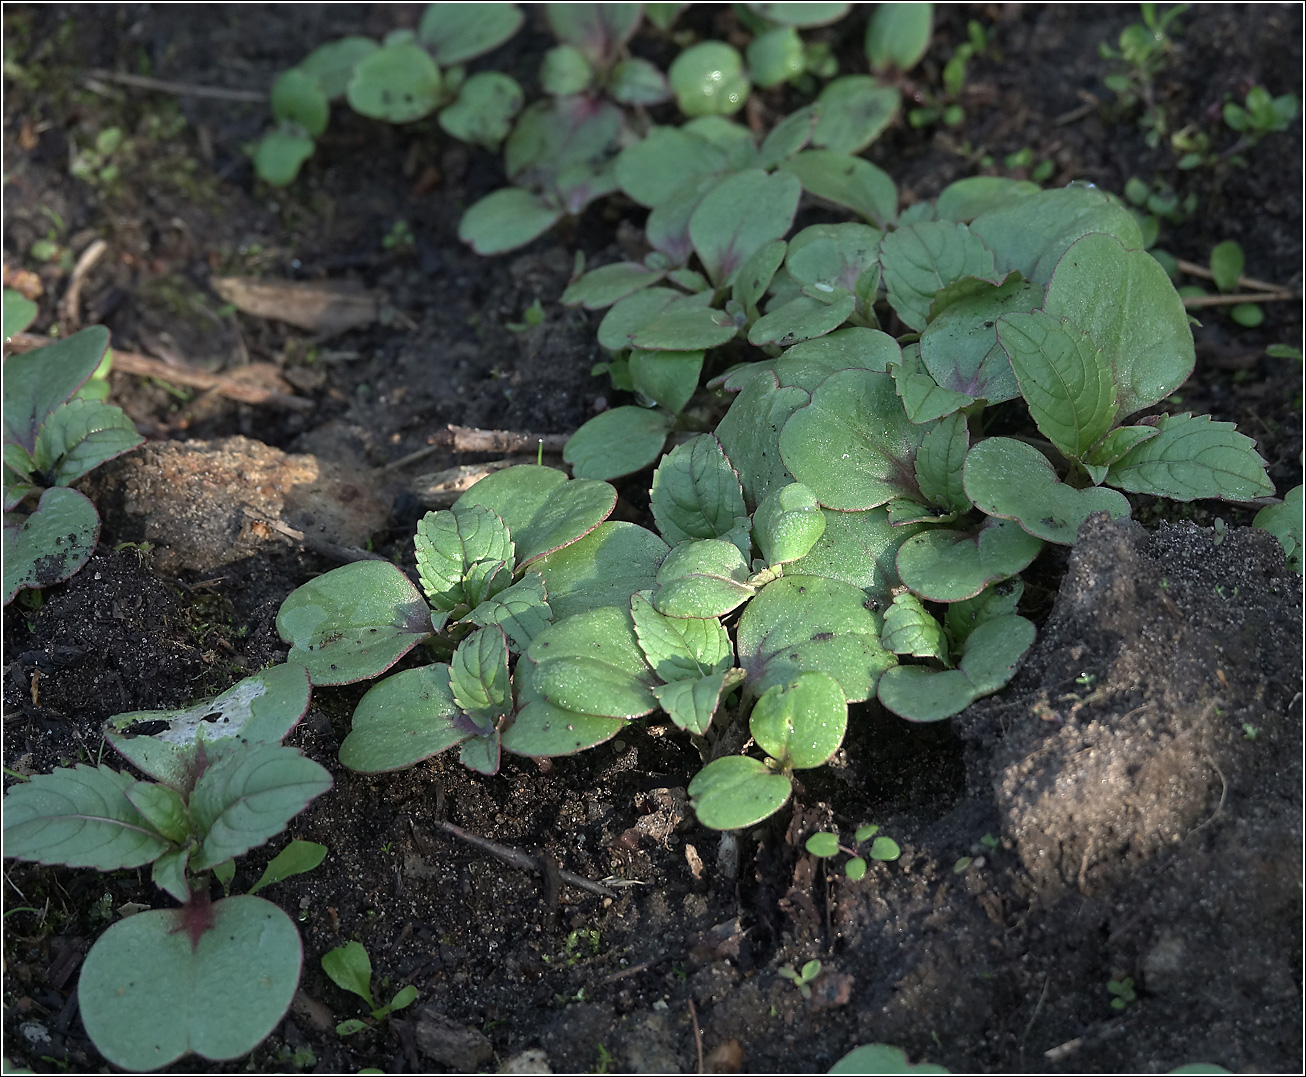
1130,807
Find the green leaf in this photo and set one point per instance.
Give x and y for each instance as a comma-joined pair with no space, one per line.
692,701
736,791
947,566
883,848
1227,264
775,56
541,729
960,346
598,30
1127,305
853,444
939,463
750,433
1013,480
993,652
404,719
37,382
19,313
858,548
81,435
801,15
996,600
809,363
702,578
459,32
920,259
169,874
565,71
852,112
405,997
398,83
617,442
965,199
50,545
909,629
350,967
481,753
848,181
223,991
686,325
1063,378
1030,235
522,610
604,568
897,36
543,511
757,272
249,795
280,154
708,79
636,81
478,677
801,623
80,817
606,285
667,378
483,113
801,722
631,314
507,219
923,398
696,493
297,97
260,709
787,524
461,555
787,137
801,319
680,647
740,216
353,622
1284,522
163,809
1192,457
666,161
829,257
295,859
822,844
591,663
332,65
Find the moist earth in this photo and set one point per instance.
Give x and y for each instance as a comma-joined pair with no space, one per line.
1130,807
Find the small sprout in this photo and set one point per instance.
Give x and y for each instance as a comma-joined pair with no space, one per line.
1086,679
1123,992
1250,732
349,967
990,842
804,978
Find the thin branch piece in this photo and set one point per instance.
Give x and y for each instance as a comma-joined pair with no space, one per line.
1195,301
70,306
471,439
179,89
1195,270
519,859
344,554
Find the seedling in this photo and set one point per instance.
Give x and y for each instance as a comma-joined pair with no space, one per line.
1284,522
1143,48
881,1058
53,436
825,844
222,972
350,967
802,978
1122,991
1259,115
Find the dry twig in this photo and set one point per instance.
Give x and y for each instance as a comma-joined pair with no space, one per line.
519,859
179,89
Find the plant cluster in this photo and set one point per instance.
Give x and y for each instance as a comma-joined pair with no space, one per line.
212,977
825,844
57,428
350,968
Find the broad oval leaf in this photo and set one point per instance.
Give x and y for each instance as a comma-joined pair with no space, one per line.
920,259
332,65
37,382
800,623
507,219
398,83
801,319
897,36
665,161
541,729
881,1058
739,216
801,722
686,325
81,435
592,660
249,795
994,650
604,568
737,791
353,622
750,433
79,817
1012,479
224,988
1062,377
696,493
858,548
853,112
628,316
787,524
458,32
853,445
1284,522
921,694
617,442
1191,457
51,544
515,494
965,199
1126,304
702,578
600,288
404,719
483,113
947,566
848,181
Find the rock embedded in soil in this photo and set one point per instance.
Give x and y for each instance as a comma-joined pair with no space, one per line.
189,500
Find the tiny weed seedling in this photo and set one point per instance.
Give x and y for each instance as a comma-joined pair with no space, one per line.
212,977
802,978
1122,993
1141,53
57,429
825,844
1250,732
881,1058
350,967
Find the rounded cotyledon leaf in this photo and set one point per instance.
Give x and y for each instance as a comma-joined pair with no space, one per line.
617,442
353,622
801,722
1013,480
787,524
696,493
52,544
541,729
947,566
702,578
591,663
604,568
739,216
920,259
857,548
736,791
223,976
